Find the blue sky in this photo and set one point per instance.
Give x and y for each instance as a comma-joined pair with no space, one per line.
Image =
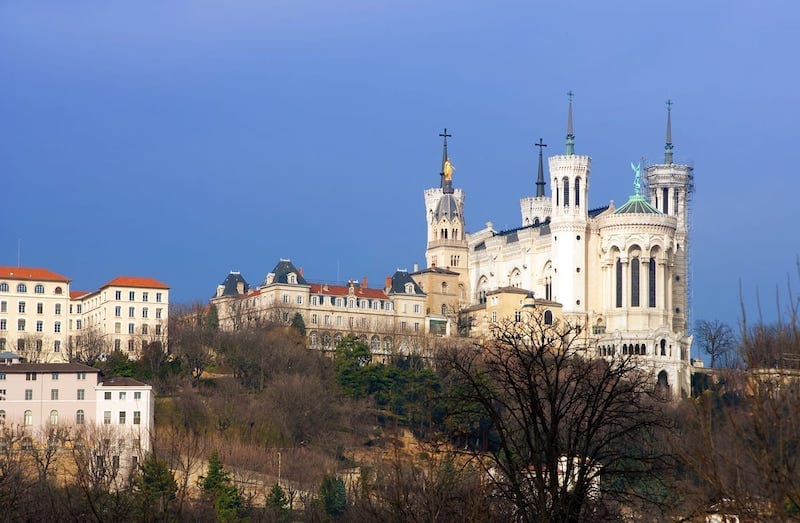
181,140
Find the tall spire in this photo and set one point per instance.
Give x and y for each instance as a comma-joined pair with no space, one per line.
447,167
668,146
540,178
570,133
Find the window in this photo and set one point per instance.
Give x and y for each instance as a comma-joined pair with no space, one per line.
22,288
117,311
39,345
313,300
144,312
30,376
299,300
115,461
577,191
137,395
107,395
137,417
57,326
651,282
78,324
131,312
117,344
3,287
39,326
3,324
131,328
79,308
81,394
548,317
403,325
144,329
122,395
122,417
131,296
79,417
2,376
28,418
107,417
158,314
517,316
416,326
28,394
130,346
53,394
417,308
635,265
494,316
118,295
619,283
285,298
158,297
39,308
57,346
81,375
2,394
145,296
3,306
21,307
2,417
314,319
566,192
53,417
58,308
158,330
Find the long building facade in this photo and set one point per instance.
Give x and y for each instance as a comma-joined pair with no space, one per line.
619,272
45,321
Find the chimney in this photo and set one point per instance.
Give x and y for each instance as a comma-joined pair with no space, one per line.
300,272
364,282
433,265
388,282
416,267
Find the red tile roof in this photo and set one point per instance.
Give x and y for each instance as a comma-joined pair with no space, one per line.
134,281
77,294
32,274
344,290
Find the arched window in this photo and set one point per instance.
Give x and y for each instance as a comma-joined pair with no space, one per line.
326,340
58,290
577,192
22,288
314,338
387,343
79,417
663,347
548,317
444,287
39,289
337,338
375,343
28,418
53,417
644,350
625,349
635,281
444,309
3,287
619,283
566,192
651,282
665,200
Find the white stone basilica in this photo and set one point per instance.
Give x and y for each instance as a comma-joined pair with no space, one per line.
620,272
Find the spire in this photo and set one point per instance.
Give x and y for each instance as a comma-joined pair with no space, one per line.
447,167
540,178
570,133
668,146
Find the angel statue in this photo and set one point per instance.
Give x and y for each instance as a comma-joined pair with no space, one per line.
448,170
637,179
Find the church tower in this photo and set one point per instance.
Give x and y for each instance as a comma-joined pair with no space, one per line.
447,238
671,186
537,210
569,176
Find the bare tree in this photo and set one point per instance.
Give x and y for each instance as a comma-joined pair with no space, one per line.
567,430
717,340
88,347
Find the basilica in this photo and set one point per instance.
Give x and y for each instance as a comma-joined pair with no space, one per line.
621,272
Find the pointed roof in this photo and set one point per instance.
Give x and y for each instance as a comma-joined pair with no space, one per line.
283,269
570,131
668,146
447,168
400,279
135,281
540,183
637,204
231,284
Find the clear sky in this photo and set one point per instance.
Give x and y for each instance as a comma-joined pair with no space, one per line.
181,140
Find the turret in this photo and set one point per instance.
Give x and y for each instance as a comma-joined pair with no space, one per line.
537,210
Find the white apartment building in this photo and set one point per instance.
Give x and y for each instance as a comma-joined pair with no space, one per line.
44,321
36,396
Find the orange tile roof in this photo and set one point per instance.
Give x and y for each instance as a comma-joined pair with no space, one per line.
135,281
344,290
77,294
32,274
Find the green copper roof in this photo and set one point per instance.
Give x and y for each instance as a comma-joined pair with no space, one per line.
637,204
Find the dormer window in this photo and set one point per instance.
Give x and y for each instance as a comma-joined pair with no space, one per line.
270,278
292,277
409,288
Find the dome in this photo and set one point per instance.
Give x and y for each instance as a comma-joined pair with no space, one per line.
637,204
447,207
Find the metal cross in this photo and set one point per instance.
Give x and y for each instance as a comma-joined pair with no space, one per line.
570,94
669,105
540,145
445,136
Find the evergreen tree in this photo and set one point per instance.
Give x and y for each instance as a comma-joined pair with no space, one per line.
299,324
277,503
212,319
333,495
217,484
156,488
